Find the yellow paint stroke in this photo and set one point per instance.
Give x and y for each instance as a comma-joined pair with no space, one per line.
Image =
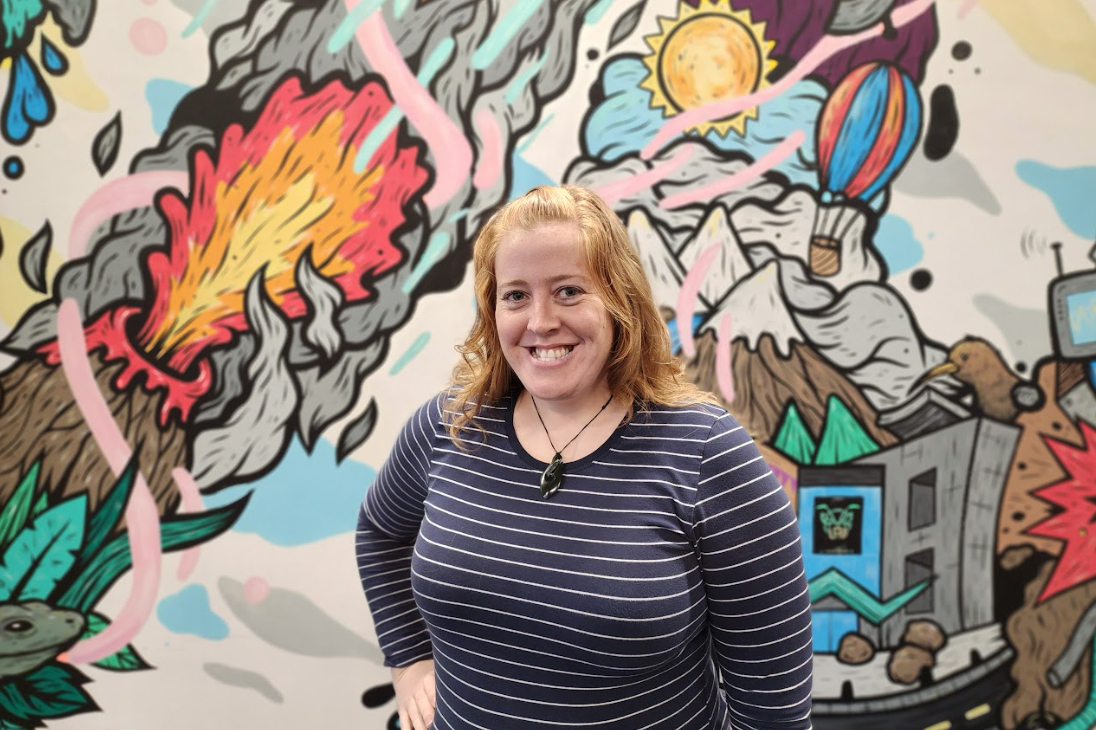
303,191
18,297
75,85
1060,35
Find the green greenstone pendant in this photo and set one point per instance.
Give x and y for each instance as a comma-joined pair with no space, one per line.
552,477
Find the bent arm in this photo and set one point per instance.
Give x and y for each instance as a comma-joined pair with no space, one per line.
759,605
388,523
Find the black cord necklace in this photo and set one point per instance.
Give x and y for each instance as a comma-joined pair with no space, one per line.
552,477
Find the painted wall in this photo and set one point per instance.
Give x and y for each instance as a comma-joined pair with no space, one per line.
235,243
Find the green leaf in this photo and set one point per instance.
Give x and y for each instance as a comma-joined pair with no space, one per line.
125,659
95,624
177,532
17,510
51,691
43,552
5,725
109,513
41,505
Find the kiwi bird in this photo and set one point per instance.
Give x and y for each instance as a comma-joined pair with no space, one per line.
998,392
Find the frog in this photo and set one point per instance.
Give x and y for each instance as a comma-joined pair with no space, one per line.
34,632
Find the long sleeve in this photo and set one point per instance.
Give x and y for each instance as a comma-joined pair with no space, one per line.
388,524
758,601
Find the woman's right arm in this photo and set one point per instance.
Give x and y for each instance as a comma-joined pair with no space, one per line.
388,523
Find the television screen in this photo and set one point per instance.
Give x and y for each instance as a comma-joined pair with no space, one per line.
1082,317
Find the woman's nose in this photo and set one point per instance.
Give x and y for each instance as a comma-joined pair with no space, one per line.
543,317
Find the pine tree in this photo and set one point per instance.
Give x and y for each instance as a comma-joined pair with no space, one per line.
843,438
793,439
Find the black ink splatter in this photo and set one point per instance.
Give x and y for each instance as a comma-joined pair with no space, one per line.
921,279
943,128
592,54
961,51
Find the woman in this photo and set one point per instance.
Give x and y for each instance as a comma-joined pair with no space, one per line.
573,535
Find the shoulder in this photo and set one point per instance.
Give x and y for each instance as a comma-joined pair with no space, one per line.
701,415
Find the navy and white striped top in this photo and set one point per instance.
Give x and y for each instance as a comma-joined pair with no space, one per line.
669,550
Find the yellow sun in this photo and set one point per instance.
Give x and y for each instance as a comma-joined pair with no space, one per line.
708,53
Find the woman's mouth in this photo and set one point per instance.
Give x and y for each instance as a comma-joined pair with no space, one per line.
550,353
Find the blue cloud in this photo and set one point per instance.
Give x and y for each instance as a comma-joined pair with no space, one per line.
897,245
188,612
625,122
1071,189
306,498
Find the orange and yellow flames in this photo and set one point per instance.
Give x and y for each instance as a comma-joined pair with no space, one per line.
285,187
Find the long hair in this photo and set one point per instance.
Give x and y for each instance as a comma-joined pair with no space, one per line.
641,366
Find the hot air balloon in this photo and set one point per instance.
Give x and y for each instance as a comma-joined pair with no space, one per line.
866,132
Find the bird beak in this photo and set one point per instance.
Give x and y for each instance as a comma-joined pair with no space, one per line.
944,368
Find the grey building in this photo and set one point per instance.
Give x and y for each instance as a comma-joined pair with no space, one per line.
939,497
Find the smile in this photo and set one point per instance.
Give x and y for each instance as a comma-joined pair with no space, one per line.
550,353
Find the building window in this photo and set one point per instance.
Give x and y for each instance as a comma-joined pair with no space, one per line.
922,507
838,525
918,569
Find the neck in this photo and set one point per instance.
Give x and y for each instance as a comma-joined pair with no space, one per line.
552,411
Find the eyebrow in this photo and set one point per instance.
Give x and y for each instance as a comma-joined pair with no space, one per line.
551,280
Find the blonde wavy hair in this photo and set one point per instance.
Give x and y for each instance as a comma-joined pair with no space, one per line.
641,366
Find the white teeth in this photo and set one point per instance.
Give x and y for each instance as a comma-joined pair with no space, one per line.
554,353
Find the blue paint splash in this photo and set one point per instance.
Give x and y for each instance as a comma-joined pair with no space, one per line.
196,21
525,176
52,58
163,95
304,499
188,612
409,355
1072,190
28,103
897,245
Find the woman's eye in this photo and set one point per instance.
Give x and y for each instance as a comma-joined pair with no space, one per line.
513,296
569,292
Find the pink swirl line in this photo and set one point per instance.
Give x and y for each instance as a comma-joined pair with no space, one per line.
686,298
822,51
452,153
133,191
490,161
724,373
763,164
191,498
619,189
142,516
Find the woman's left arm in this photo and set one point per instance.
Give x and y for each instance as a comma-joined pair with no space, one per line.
759,608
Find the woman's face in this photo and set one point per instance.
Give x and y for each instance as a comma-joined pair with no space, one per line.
554,328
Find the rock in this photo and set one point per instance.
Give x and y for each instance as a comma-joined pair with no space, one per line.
907,662
855,649
926,634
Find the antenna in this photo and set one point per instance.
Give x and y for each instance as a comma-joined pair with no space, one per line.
1057,246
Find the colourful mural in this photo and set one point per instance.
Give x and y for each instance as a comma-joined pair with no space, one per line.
234,246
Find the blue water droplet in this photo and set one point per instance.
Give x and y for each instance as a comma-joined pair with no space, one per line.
52,58
13,168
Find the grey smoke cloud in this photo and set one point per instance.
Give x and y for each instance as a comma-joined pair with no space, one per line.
303,375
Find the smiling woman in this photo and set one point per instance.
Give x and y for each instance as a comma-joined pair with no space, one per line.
646,573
